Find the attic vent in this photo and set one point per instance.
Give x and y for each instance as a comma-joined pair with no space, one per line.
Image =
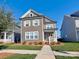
31,15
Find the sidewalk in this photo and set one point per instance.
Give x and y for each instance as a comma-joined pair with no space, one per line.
66,53
20,51
45,53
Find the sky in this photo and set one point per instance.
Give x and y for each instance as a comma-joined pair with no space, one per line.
54,9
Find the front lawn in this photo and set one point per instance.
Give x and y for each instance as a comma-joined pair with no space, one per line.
20,47
67,46
24,47
66,57
21,56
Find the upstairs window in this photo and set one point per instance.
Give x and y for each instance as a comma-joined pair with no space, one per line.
27,23
49,26
36,22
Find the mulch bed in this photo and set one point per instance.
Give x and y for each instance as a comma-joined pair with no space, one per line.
4,55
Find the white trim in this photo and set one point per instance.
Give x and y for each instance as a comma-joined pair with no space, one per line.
42,30
36,21
27,22
25,14
21,31
76,31
55,36
29,12
5,34
32,33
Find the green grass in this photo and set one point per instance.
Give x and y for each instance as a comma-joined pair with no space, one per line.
21,56
66,57
24,47
67,46
20,47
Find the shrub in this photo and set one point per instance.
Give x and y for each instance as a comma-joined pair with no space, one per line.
36,43
1,42
40,43
47,43
30,43
52,43
58,42
24,42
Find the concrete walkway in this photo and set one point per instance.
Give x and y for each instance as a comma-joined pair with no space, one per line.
20,51
45,53
66,53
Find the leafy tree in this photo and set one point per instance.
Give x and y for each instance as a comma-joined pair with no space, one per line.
6,20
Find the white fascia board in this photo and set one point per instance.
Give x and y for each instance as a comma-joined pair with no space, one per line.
25,14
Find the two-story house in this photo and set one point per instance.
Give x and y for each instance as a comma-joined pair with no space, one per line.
35,27
70,27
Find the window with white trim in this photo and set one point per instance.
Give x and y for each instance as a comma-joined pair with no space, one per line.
48,26
31,35
26,35
27,23
36,22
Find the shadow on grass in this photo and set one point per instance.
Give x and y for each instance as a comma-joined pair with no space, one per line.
3,47
70,42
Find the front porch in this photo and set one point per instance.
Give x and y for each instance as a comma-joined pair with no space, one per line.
50,35
6,37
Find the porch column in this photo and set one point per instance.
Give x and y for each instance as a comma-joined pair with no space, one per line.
43,36
55,36
5,36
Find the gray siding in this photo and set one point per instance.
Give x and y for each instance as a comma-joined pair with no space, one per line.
68,31
32,15
32,28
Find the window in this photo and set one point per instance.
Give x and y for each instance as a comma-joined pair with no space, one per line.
27,23
31,15
35,34
36,22
27,35
31,35
49,26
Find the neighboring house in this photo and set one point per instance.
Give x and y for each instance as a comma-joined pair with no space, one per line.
35,27
70,27
12,34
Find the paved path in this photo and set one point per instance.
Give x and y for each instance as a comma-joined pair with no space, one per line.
20,51
45,53
66,53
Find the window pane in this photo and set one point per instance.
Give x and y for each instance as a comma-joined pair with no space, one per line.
48,26
27,35
36,22
31,35
36,35
27,23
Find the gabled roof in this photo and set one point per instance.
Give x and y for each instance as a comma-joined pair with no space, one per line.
75,14
31,10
